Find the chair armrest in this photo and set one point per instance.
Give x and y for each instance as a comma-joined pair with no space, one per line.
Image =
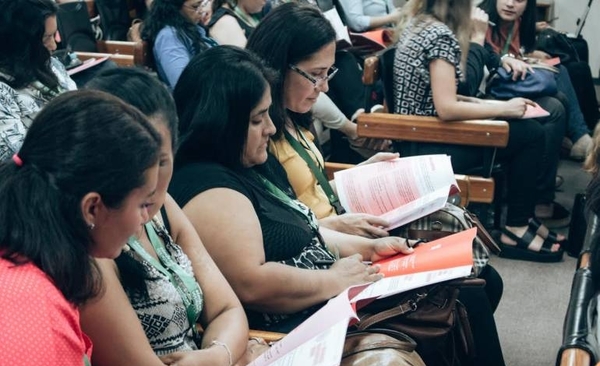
267,336
331,167
490,133
139,50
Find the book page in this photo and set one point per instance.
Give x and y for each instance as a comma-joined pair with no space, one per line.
91,62
339,309
341,32
324,349
401,190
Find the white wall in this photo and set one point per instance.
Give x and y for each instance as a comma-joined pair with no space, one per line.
568,11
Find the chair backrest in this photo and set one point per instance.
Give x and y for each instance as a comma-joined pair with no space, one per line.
74,27
386,72
114,19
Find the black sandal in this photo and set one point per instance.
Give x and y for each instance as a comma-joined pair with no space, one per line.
534,225
521,250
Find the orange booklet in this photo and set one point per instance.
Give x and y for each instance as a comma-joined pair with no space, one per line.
319,340
448,252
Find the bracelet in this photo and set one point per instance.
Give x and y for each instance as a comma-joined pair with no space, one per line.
219,343
507,55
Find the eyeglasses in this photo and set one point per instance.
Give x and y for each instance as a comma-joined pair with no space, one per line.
317,81
198,7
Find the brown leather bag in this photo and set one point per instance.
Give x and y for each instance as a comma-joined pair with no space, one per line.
380,347
432,316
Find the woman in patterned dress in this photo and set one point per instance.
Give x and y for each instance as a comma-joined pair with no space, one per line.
164,282
430,56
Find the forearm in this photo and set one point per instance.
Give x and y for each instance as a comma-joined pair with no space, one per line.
346,244
462,110
294,290
231,328
383,20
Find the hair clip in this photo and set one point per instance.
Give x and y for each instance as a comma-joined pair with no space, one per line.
18,161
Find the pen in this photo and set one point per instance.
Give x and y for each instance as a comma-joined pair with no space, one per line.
492,24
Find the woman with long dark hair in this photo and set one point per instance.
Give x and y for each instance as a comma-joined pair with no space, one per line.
176,33
29,76
514,38
78,188
140,290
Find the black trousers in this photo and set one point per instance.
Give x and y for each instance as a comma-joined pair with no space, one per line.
531,158
481,304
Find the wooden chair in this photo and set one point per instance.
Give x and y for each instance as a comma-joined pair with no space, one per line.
123,53
579,347
412,130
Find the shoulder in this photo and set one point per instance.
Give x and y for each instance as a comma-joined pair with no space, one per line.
222,15
195,178
165,35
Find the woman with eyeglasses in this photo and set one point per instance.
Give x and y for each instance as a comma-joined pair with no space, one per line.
304,55
29,76
176,31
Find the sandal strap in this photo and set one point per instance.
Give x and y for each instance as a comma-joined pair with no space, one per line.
547,245
524,241
535,225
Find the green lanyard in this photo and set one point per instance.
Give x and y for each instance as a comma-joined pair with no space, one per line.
86,361
249,19
186,285
318,171
508,40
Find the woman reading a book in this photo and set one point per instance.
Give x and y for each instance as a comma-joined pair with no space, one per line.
29,76
294,96
434,37
164,261
279,261
63,202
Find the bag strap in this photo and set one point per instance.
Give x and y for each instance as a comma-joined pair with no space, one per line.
508,40
408,306
318,171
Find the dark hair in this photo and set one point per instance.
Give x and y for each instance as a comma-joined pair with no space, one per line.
215,95
23,56
527,28
81,142
143,91
164,13
289,34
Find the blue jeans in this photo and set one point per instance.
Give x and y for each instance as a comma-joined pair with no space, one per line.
576,126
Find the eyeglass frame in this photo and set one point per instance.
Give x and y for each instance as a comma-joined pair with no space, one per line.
314,80
199,7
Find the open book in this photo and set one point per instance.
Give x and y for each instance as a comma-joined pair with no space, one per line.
400,190
319,340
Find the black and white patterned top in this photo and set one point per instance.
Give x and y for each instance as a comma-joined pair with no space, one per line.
163,313
421,42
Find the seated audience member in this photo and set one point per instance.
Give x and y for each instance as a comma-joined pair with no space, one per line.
364,15
269,246
514,32
292,97
429,39
139,290
61,202
174,29
305,70
29,76
233,21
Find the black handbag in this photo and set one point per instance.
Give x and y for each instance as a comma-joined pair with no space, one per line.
557,44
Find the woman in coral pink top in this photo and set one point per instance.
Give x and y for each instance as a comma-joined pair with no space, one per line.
80,185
